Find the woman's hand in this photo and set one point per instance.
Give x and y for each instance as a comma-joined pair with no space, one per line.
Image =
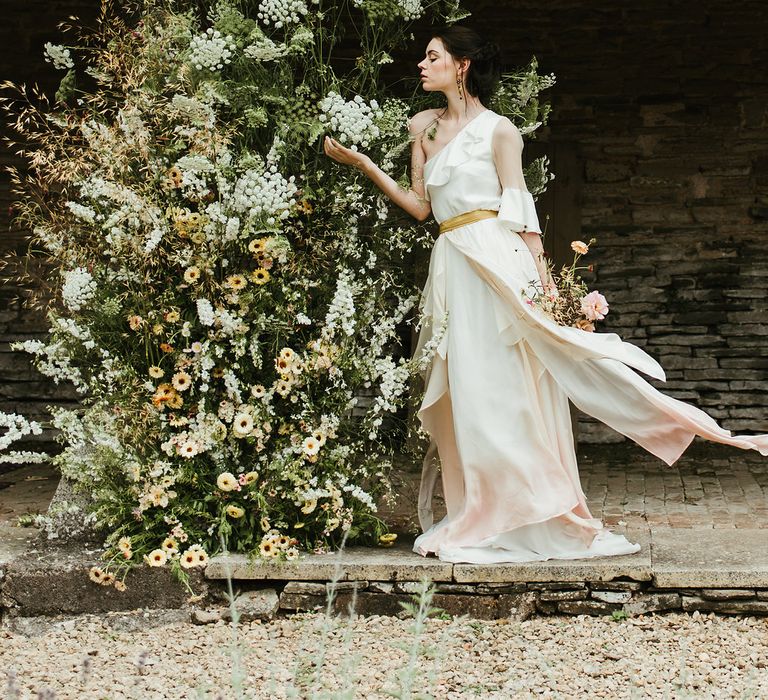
344,155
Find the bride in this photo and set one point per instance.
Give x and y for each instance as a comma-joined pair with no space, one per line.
497,389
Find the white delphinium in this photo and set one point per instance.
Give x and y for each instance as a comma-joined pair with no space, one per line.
384,328
361,495
303,319
281,12
232,229
352,120
211,51
59,56
422,362
205,312
393,382
82,212
76,331
341,311
78,288
23,457
16,427
153,240
264,192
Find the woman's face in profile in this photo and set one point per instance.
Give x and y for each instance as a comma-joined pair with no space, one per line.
438,71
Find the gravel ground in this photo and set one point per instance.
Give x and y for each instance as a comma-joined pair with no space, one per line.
145,656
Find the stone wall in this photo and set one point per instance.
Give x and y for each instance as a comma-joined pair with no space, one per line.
27,25
666,104
662,106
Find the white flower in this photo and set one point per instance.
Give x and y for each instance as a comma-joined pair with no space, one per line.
281,12
264,192
311,446
341,311
82,212
59,56
226,481
78,288
351,120
205,312
211,51
156,557
242,425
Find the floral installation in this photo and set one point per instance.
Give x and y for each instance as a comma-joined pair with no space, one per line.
568,301
232,307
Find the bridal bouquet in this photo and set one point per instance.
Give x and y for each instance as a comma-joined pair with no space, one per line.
569,302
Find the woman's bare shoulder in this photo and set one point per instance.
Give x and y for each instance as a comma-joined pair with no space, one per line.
421,120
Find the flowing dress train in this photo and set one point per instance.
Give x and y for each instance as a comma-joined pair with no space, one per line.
497,387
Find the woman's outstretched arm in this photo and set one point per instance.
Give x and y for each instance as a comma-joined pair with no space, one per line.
508,157
411,200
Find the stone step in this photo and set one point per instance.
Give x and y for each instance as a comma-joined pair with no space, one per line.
400,563
670,558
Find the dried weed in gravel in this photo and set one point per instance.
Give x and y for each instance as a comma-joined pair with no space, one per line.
316,656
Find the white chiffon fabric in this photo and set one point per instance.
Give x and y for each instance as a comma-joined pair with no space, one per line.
497,387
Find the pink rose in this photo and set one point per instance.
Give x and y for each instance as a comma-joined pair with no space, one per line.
594,306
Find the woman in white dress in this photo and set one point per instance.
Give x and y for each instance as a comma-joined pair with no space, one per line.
497,390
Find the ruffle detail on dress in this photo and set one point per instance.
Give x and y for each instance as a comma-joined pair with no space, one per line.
517,211
465,146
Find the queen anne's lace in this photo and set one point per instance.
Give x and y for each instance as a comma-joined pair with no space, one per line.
281,12
59,56
352,120
211,51
78,288
264,192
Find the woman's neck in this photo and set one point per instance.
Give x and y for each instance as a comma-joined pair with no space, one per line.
461,111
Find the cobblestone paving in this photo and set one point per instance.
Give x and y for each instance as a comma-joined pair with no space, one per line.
711,486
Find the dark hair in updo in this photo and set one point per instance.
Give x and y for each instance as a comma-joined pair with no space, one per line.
484,70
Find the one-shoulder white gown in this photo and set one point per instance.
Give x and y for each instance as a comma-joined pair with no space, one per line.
497,388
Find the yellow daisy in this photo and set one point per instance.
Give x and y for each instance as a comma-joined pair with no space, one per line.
250,478
235,512
181,381
236,282
155,372
175,175
157,557
258,391
257,245
172,316
96,574
260,276
192,274
226,481
170,545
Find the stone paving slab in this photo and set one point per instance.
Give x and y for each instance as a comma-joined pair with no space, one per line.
402,564
14,543
710,559
397,563
636,566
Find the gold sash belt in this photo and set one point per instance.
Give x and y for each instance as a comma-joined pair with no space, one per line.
468,217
